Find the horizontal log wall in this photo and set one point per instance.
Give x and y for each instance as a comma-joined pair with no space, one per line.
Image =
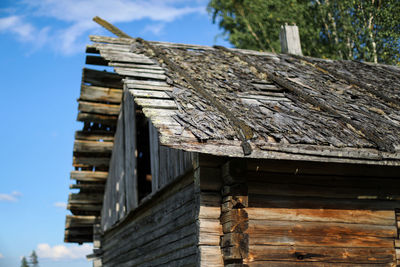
161,232
312,215
210,229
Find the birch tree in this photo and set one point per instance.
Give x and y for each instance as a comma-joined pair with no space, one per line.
365,30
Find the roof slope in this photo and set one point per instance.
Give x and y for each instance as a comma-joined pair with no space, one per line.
212,100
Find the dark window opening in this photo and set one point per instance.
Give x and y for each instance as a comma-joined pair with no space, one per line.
143,155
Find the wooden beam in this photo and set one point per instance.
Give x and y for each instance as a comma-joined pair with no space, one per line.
90,161
88,187
98,135
96,60
80,221
82,146
98,108
89,176
97,118
100,94
102,78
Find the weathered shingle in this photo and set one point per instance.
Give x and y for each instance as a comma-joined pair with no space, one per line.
297,107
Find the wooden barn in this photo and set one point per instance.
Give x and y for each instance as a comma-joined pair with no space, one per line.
207,156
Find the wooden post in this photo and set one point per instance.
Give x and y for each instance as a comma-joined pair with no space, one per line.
234,219
290,40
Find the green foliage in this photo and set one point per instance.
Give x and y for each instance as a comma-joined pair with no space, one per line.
24,262
366,30
34,259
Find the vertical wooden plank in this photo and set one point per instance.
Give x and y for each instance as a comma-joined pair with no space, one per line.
154,157
113,196
119,165
163,167
130,151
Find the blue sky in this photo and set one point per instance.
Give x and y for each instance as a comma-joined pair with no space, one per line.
42,46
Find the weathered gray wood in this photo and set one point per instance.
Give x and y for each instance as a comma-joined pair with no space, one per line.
156,103
158,248
135,66
118,56
89,176
141,74
97,118
79,221
149,94
271,151
113,47
98,108
149,87
152,112
154,157
101,94
88,187
290,40
133,82
92,146
102,78
103,136
173,216
176,208
111,40
75,198
84,208
130,148
91,161
114,205
129,71
173,163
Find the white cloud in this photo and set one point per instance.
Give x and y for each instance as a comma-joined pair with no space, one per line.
76,17
78,11
1,256
62,252
16,25
60,205
13,197
156,29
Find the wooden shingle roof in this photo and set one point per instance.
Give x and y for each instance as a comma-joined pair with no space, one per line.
199,98
233,103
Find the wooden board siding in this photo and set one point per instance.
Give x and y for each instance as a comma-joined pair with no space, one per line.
167,164
320,217
114,205
160,232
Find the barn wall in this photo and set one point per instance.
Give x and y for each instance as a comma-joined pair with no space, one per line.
161,232
287,213
321,215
